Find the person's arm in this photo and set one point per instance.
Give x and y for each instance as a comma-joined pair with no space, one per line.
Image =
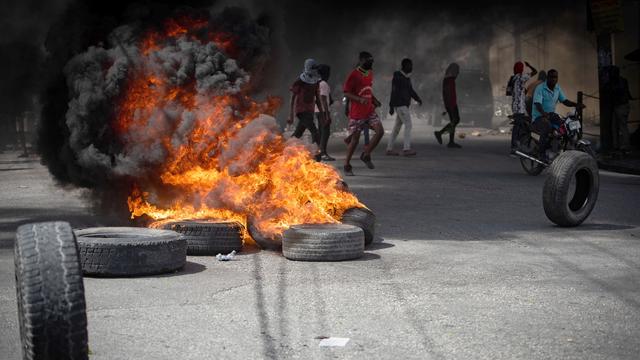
320,106
414,95
537,101
325,108
355,98
533,70
291,107
375,101
570,103
540,109
394,89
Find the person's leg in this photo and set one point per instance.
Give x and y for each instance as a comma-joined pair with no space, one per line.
543,127
455,120
516,132
300,127
351,148
396,130
408,126
376,125
623,130
365,131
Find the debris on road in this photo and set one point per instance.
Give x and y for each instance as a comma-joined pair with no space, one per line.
227,257
476,133
334,342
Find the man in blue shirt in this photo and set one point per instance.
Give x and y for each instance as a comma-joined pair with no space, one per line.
545,98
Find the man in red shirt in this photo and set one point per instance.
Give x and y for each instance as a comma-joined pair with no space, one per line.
450,104
362,104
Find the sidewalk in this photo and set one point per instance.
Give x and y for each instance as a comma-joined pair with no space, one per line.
627,164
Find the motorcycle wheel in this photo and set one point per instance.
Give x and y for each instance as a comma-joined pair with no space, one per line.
530,167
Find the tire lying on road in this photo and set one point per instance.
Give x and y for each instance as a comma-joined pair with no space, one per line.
209,238
264,241
362,218
571,188
50,292
323,242
129,251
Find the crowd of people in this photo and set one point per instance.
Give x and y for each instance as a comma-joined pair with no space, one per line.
533,104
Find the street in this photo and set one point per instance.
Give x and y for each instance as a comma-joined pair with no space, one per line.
465,266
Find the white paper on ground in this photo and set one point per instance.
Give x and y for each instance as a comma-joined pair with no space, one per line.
334,341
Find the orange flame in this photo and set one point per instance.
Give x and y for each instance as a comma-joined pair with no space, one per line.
217,173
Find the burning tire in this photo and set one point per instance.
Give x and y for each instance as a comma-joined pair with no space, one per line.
264,241
362,218
209,238
50,292
571,188
126,251
323,242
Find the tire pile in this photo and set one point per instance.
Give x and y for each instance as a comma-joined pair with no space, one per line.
51,258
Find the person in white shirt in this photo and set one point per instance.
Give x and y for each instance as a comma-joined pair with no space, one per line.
324,115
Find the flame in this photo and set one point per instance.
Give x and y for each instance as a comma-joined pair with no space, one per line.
219,173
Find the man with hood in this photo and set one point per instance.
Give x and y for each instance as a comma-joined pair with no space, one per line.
401,94
518,101
362,110
305,96
450,104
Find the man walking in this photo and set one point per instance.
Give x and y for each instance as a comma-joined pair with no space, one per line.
518,103
401,94
305,96
323,115
362,110
451,105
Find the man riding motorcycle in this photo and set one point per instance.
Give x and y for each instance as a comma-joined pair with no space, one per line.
544,118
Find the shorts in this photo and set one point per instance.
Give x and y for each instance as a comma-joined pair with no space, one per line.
356,126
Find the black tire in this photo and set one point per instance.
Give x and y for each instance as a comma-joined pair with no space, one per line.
530,147
323,242
362,218
51,304
562,204
265,242
129,251
209,238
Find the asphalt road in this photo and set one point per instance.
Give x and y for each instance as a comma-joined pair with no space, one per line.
466,267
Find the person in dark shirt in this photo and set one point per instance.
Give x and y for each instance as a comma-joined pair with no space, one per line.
305,96
621,96
401,94
450,104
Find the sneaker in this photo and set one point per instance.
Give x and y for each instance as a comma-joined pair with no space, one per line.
318,157
392,153
438,136
348,170
326,157
367,160
453,145
409,152
512,153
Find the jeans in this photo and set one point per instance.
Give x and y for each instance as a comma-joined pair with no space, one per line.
544,127
518,129
454,117
403,118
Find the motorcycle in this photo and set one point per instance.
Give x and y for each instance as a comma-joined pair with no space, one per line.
565,136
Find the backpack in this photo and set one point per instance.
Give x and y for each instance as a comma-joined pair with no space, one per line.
510,85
